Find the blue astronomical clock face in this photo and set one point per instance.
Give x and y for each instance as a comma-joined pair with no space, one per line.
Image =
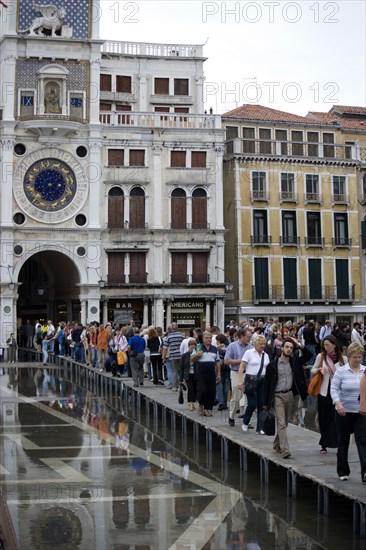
50,185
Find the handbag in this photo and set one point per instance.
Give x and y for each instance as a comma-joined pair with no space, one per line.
133,353
267,421
121,357
251,381
315,383
180,396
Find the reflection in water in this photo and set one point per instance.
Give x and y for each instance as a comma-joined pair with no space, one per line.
102,481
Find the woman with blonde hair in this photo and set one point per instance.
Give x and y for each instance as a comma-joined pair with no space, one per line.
345,391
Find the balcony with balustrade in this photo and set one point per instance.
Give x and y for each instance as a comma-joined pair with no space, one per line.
297,150
150,49
302,294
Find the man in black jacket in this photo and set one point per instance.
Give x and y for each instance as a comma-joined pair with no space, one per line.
284,379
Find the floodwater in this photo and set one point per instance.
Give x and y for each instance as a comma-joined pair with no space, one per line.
78,473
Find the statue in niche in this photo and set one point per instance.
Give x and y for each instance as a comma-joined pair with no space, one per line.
52,18
52,101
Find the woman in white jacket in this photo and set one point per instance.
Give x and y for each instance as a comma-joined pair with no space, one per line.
327,362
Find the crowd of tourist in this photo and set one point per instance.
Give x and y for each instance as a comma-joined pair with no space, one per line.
249,366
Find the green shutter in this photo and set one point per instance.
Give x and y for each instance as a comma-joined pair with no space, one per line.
315,279
342,279
261,278
290,278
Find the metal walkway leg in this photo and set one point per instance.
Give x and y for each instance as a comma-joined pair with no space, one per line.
264,469
291,483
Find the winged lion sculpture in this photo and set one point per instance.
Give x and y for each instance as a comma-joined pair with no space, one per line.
52,18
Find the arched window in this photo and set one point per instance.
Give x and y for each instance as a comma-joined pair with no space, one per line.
199,209
178,209
137,208
115,208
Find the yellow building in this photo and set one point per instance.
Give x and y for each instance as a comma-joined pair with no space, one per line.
294,203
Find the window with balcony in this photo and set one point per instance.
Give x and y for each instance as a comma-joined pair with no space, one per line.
115,208
328,150
350,150
342,280
124,84
248,140
105,82
116,157
289,228
297,143
104,106
123,108
290,278
314,230
265,145
178,159
137,157
137,267
287,186
315,278
198,159
259,186
339,189
116,268
179,267
200,267
199,209
341,236
312,188
178,209
182,110
281,142
313,144
137,208
161,86
261,286
181,86
260,228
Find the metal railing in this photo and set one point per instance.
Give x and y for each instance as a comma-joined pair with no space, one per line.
303,293
290,240
260,239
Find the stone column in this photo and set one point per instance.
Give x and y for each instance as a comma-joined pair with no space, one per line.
220,314
158,312
105,311
168,313
83,312
208,312
145,318
6,173
95,177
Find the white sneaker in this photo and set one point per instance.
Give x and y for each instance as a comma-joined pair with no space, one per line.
244,427
343,478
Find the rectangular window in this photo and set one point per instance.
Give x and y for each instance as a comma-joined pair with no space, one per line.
349,150
313,144
137,267
260,227
178,159
116,268
314,230
259,181
116,157
181,86
328,150
290,278
342,280
181,110
341,237
281,145
289,227
297,143
199,267
124,84
265,141
179,267
137,157
315,279
161,86
105,82
103,106
198,159
287,184
312,187
339,185
261,287
248,140
162,109
232,132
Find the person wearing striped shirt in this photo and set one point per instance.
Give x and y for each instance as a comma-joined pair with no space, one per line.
345,393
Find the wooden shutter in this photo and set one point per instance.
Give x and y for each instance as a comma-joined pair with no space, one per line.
198,159
297,148
137,212
363,234
137,267
179,267
342,279
161,86
124,84
116,267
199,267
261,278
181,86
313,147
103,106
290,278
122,107
137,157
248,143
115,212
178,159
179,212
265,140
281,136
105,82
328,150
115,157
199,212
315,279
